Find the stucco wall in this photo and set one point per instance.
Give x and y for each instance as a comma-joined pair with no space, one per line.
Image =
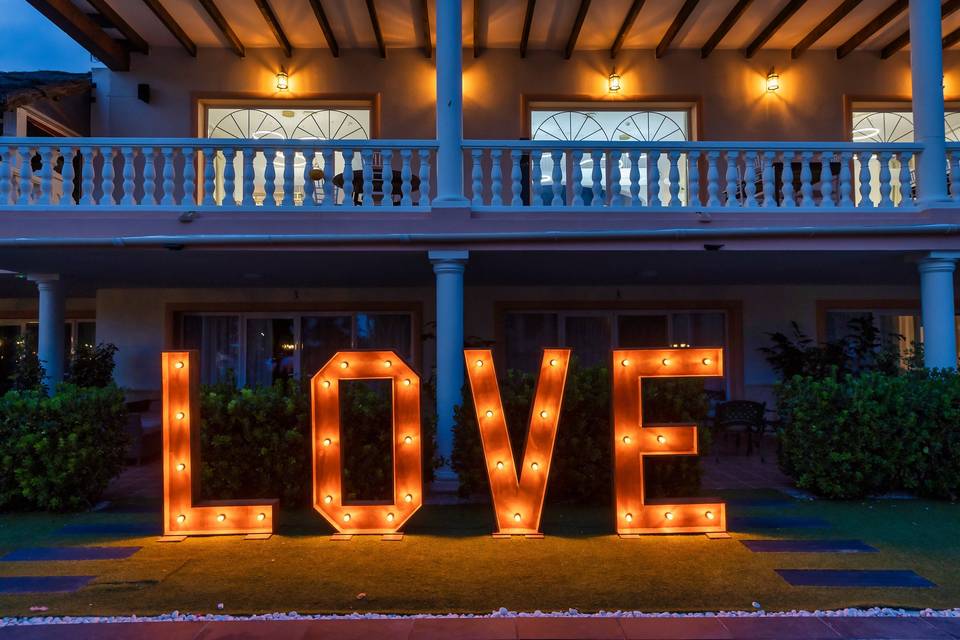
734,105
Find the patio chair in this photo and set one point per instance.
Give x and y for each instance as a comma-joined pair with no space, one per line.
741,417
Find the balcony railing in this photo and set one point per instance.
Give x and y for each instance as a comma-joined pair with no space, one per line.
213,173
690,175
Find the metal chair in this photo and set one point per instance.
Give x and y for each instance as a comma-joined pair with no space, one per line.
741,416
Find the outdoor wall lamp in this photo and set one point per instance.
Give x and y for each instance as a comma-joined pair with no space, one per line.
614,81
773,80
283,80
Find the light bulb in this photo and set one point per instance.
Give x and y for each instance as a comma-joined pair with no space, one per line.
628,517
625,362
390,517
666,362
668,515
181,518
221,517
553,362
407,382
544,414
408,497
326,384
408,440
327,442
707,361
346,517
626,439
489,413
500,465
179,364
535,466
181,415
181,467
327,499
387,363
708,515
479,363
261,517
344,364
661,439
516,517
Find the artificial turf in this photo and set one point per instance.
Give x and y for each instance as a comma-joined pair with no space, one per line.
448,562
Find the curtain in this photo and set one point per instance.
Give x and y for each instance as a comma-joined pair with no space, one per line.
320,338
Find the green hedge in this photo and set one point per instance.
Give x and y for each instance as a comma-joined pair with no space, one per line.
582,462
59,452
852,436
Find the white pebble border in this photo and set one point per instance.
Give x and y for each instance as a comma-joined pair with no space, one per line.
176,616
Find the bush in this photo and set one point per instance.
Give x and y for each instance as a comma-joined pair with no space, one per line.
582,464
92,366
60,452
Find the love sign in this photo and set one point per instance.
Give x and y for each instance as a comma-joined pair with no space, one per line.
517,493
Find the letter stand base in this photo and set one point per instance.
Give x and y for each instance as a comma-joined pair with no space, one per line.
171,538
258,536
717,535
340,537
391,537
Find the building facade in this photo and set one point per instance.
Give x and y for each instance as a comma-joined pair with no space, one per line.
269,185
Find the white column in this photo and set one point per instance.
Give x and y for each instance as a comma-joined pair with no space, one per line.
937,313
449,104
52,316
926,71
448,267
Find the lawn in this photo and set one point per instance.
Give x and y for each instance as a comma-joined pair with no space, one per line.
448,562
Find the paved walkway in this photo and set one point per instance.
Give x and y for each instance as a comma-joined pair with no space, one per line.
508,628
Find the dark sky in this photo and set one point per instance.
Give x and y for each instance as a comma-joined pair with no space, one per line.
31,42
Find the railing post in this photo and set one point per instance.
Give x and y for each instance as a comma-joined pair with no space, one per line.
926,73
450,105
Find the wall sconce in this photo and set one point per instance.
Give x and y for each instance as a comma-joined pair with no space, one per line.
614,81
773,80
283,80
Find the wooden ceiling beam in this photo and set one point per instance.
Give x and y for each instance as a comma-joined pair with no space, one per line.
825,25
76,24
886,17
171,25
675,27
768,32
575,31
898,43
274,23
220,20
325,27
375,24
625,27
477,47
426,41
527,24
134,40
951,38
724,27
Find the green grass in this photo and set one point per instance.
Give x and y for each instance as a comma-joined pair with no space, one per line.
449,562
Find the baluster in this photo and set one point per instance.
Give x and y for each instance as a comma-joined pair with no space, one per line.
289,158
45,195
750,180
789,197
733,178
167,154
616,199
270,178
846,183
329,167
26,176
209,178
653,178
229,178
865,187
149,176
424,200
673,178
769,182
634,156
597,175
386,157
515,186
557,178
885,186
309,187
496,178
108,174
536,178
366,162
806,179
713,179
826,180
476,172
906,189
6,175
69,178
86,185
248,179
348,177
577,180
693,164
406,174
189,177
129,174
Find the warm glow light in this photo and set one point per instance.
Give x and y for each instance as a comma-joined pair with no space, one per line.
489,413
408,498
668,515
625,363
708,515
181,518
326,384
407,382
535,466
344,364
544,414
327,499
390,517
613,81
661,439
283,80
179,364
626,439
553,362
261,517
408,439
516,517
479,363
707,362
666,362
181,415
500,464
773,80
221,517
327,442
346,517
181,467
387,363
628,517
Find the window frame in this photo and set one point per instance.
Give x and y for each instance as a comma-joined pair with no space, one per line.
201,103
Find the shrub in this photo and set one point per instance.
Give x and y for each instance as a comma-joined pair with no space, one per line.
582,464
28,373
92,366
61,451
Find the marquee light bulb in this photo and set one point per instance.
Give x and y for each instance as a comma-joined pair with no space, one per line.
387,363
707,361
626,439
628,517
666,362
408,497
181,415
661,439
553,362
408,439
668,515
708,515
181,518
327,499
181,467
261,517
500,464
407,382
390,517
344,364
544,414
479,363
326,384
221,517
625,362
516,517
179,364
346,517
489,413
535,466
327,442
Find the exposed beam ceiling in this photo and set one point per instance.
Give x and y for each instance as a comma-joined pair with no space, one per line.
781,18
172,26
325,27
134,40
575,31
375,24
218,19
268,14
628,21
675,26
81,28
821,29
948,7
477,31
527,23
882,20
725,27
951,38
426,40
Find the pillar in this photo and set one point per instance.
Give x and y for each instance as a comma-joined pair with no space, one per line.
449,104
937,313
926,72
448,267
50,348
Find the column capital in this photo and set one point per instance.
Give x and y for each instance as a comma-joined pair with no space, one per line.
448,261
39,278
937,265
